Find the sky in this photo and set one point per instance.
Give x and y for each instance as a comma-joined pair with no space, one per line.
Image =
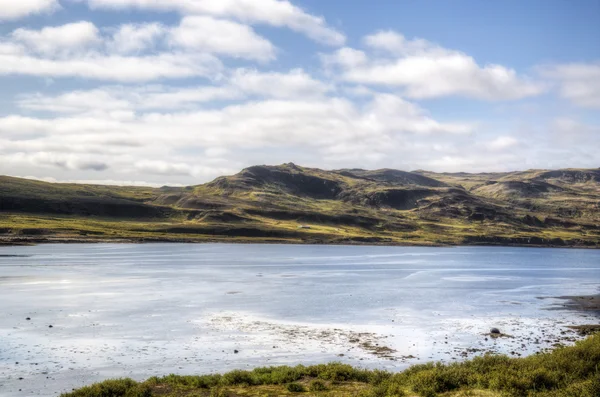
178,92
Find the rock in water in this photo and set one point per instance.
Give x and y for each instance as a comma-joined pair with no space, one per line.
495,331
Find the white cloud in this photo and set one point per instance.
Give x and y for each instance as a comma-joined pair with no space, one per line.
502,143
578,82
135,38
193,144
219,36
131,53
345,57
240,84
113,67
425,70
395,43
278,13
72,37
105,99
357,114
15,9
393,112
295,84
163,168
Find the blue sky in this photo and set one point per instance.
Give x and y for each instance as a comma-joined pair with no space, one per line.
181,91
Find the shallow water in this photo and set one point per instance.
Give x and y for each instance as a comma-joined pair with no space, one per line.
141,310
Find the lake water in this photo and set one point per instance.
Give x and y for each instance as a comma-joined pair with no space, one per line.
141,310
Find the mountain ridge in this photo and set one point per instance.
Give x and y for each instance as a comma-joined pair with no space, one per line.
289,203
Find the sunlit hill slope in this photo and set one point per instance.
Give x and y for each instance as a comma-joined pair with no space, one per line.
293,204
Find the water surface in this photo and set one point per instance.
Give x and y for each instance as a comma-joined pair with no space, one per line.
153,309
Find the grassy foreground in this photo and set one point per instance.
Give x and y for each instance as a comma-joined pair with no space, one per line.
565,372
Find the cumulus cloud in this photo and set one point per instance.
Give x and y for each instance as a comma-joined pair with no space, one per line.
71,37
426,70
578,82
502,143
132,53
220,36
11,9
279,13
135,38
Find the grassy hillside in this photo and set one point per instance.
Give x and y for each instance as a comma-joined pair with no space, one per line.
565,372
294,204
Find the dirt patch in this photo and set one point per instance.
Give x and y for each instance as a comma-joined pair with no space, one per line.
498,335
584,303
368,342
585,330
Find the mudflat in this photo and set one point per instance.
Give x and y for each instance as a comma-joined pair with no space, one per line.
584,303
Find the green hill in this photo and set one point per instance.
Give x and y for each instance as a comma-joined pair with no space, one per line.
290,203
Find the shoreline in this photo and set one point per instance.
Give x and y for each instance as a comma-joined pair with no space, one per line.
25,241
302,379
551,373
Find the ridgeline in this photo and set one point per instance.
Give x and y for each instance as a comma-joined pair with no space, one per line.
293,204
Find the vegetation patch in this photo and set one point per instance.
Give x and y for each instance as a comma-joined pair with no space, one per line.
564,372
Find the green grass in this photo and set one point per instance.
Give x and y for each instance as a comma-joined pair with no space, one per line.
565,372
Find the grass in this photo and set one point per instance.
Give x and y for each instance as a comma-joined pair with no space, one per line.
564,372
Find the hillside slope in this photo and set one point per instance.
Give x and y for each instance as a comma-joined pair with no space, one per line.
290,203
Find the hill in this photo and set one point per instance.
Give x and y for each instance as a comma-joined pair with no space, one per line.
294,204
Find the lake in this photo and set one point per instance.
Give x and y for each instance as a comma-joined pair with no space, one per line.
127,310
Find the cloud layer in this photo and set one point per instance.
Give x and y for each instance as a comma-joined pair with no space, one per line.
207,91
578,82
278,13
425,70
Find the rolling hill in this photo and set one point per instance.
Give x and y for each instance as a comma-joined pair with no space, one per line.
293,204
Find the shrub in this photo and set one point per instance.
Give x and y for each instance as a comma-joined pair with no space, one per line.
295,388
237,378
317,385
198,382
341,372
114,388
376,377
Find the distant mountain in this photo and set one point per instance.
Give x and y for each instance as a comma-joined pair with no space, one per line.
290,203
